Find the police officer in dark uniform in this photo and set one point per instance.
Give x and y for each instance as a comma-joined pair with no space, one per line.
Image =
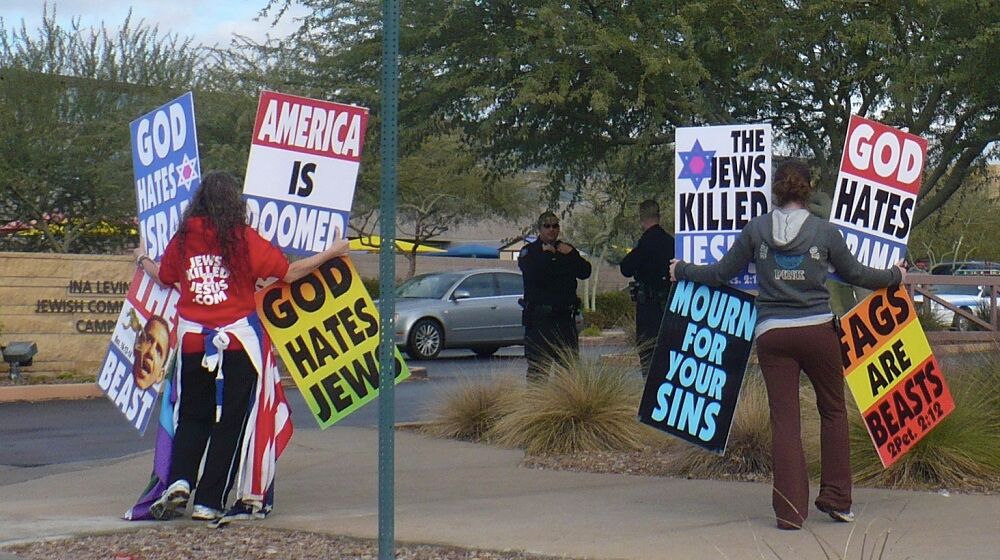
550,269
649,264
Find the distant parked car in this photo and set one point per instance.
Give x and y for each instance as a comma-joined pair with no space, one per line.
476,309
967,298
965,268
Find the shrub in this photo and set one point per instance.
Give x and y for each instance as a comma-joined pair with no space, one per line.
748,453
470,411
929,320
613,310
962,451
583,405
372,285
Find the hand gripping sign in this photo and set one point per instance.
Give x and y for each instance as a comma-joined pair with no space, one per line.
723,181
698,365
167,170
326,329
892,373
303,165
877,187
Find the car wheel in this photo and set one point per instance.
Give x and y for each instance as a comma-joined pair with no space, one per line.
485,351
426,340
963,324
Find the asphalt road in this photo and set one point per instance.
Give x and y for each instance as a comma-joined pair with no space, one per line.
55,434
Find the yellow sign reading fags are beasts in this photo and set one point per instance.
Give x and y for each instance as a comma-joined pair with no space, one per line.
326,329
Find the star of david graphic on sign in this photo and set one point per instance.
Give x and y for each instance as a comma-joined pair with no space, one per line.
697,164
187,172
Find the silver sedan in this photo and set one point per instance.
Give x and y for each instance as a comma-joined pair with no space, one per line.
476,309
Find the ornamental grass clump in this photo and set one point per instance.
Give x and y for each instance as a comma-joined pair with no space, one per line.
583,405
470,411
961,452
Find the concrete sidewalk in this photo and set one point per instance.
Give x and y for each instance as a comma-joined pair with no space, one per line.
476,496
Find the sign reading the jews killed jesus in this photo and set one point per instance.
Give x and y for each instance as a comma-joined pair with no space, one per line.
698,364
892,373
166,168
303,165
141,349
325,327
722,181
880,174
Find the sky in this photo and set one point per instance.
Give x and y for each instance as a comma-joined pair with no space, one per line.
210,22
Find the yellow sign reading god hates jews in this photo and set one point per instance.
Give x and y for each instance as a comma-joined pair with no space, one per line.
325,327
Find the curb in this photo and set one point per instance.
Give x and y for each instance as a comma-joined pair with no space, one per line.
50,391
74,391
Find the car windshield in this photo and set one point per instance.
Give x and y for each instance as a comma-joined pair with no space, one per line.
432,286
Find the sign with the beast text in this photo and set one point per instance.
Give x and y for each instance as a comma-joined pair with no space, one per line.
166,168
304,160
141,349
880,174
892,373
325,327
722,181
698,365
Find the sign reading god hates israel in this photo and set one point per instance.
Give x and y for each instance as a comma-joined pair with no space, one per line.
880,174
722,181
166,168
892,373
326,329
699,362
303,165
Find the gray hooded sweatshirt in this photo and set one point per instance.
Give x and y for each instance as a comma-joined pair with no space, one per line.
793,251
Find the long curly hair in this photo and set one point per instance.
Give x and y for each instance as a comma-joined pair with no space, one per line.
218,200
792,183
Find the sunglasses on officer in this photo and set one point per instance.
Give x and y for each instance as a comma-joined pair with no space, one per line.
551,226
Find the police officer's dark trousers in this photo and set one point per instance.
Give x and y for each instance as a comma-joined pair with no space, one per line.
647,327
549,335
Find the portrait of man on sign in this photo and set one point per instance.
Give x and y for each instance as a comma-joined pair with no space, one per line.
152,345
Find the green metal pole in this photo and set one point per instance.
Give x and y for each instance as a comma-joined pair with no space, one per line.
387,283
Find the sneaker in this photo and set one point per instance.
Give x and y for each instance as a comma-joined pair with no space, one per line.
174,497
205,513
241,511
846,516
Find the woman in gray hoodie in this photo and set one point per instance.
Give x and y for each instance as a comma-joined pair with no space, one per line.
793,251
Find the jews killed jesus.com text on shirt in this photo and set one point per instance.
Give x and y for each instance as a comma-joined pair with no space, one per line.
210,294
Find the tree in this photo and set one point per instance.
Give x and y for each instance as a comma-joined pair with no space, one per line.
569,86
66,98
440,187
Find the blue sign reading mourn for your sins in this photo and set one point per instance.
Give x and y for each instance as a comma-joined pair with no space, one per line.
698,365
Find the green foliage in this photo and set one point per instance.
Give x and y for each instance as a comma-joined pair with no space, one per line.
963,451
66,98
613,310
592,92
583,405
372,285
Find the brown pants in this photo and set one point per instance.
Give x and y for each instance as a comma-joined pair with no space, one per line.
816,351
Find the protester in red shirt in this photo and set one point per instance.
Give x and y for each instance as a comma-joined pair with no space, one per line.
215,260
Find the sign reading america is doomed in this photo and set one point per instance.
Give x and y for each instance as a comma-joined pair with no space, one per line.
303,166
893,376
722,181
166,168
699,362
326,329
877,187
